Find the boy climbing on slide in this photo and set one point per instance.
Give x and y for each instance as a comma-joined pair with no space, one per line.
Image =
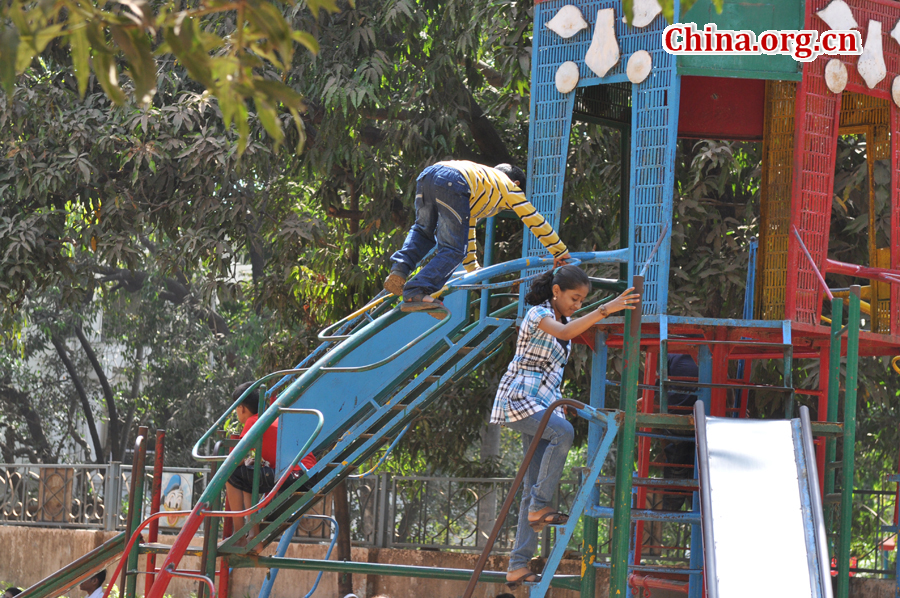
239,486
450,198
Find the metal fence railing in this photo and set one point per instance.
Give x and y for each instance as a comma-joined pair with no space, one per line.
86,496
386,510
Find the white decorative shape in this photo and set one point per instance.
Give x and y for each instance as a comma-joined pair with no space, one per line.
603,54
896,32
838,15
835,75
871,62
567,22
567,77
895,90
639,65
644,12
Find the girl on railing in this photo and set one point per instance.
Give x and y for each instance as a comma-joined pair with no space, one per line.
531,383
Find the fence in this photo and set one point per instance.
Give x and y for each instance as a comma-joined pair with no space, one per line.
86,496
387,511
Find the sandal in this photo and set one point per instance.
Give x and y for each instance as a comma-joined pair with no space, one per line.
394,283
551,518
524,578
418,303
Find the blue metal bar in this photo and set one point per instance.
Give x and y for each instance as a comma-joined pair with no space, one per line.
384,456
749,293
269,581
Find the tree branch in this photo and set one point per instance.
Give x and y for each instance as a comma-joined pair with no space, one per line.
82,395
33,421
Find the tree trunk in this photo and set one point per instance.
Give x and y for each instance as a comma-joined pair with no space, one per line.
113,413
342,515
82,395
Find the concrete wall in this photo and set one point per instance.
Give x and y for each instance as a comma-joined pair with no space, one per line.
29,554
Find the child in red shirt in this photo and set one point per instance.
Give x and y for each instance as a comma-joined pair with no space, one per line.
239,486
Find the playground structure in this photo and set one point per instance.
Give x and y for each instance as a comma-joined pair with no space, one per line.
379,368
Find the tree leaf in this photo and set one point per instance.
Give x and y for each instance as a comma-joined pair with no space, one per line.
9,48
81,56
108,76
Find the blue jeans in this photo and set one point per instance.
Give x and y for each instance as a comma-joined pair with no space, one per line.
541,479
442,216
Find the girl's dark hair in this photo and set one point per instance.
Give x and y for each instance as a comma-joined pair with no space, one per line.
567,277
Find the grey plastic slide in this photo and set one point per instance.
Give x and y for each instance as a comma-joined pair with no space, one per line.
763,530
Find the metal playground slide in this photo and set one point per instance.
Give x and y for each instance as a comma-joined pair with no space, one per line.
763,528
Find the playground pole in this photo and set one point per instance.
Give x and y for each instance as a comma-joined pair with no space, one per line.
843,590
621,523
834,390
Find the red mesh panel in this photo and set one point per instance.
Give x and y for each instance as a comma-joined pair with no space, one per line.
816,135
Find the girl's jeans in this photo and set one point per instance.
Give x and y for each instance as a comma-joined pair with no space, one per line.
541,479
442,215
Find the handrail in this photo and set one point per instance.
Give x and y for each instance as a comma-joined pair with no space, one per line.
472,280
203,514
502,283
895,363
389,358
379,298
812,263
195,452
880,274
514,487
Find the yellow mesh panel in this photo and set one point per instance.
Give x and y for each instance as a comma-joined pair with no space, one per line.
775,197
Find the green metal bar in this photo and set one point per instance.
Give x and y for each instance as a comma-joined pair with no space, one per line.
570,582
621,523
257,462
57,583
135,510
211,531
843,589
834,390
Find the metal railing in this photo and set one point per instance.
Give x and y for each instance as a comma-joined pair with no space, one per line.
83,496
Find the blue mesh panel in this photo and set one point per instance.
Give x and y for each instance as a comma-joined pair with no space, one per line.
654,133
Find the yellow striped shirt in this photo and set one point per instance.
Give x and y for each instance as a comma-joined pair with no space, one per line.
491,191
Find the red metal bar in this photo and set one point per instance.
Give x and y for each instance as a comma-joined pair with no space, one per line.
647,583
647,406
155,500
880,274
719,396
224,578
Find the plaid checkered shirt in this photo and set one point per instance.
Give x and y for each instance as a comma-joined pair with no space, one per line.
533,378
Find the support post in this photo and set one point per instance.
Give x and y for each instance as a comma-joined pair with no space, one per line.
211,537
135,511
621,523
155,500
849,443
595,436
